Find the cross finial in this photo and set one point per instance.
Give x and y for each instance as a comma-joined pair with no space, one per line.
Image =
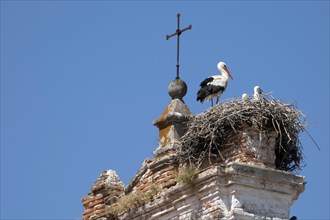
178,33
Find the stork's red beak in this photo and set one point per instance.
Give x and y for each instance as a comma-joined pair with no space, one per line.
229,74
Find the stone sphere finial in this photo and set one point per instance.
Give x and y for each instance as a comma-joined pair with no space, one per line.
177,89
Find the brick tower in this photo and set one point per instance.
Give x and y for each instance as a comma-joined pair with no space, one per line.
219,164
245,184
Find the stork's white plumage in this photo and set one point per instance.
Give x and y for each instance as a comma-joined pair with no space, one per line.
257,93
245,97
214,86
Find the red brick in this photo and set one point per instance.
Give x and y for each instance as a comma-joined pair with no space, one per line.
105,194
97,187
99,212
99,196
84,198
144,181
171,173
114,188
167,169
87,202
145,189
87,211
161,180
146,175
99,206
169,184
141,187
99,201
172,177
160,177
139,184
85,217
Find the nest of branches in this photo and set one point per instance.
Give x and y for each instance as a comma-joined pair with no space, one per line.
211,133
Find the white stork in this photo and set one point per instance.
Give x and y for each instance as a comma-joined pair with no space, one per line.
257,93
214,86
245,97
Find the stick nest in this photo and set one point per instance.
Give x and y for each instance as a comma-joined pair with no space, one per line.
210,134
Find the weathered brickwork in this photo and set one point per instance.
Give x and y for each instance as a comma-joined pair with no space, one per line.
236,191
246,186
252,147
106,191
164,178
243,185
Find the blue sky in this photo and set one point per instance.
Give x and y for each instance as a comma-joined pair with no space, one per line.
82,81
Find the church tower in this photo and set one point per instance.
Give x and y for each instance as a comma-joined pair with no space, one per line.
213,165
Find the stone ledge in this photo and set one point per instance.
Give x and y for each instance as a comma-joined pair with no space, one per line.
224,193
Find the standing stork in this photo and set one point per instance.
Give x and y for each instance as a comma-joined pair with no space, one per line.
214,86
257,93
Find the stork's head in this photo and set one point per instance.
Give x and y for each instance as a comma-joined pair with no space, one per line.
245,97
222,67
257,90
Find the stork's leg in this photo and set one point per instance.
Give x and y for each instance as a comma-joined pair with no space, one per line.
217,99
212,101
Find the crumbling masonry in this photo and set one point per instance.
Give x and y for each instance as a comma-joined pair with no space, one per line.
245,184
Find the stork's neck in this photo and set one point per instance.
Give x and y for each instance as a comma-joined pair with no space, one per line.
257,94
224,73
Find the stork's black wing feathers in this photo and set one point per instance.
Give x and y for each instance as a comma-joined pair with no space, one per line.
215,89
206,81
207,90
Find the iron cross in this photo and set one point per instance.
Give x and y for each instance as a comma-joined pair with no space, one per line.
178,33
